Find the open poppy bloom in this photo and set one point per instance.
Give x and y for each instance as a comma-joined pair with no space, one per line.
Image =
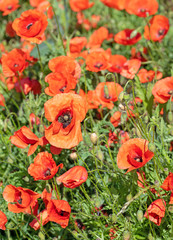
59,212
22,199
142,8
98,37
23,137
134,154
74,177
14,62
148,76
59,83
3,220
44,167
65,111
43,218
118,4
107,93
31,25
126,37
28,85
130,68
163,90
97,61
66,65
140,55
117,62
8,6
168,183
159,26
77,43
156,211
81,5
46,8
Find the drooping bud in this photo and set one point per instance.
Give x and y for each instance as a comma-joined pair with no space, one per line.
126,235
129,197
73,155
151,147
100,155
139,215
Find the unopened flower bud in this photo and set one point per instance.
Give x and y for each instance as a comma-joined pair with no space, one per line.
48,188
41,236
126,235
170,117
100,155
150,237
73,155
114,218
170,209
93,138
139,215
122,107
151,147
129,197
121,97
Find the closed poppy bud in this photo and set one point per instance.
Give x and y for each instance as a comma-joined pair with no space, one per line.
151,147
126,235
73,155
31,25
170,117
139,215
44,167
156,211
93,138
3,220
73,177
150,236
41,236
129,197
100,155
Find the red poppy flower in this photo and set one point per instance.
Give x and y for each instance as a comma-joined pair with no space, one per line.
22,199
117,62
65,111
163,90
148,76
171,198
168,183
140,55
134,154
107,93
9,30
3,220
130,68
42,219
59,212
92,100
2,100
118,4
35,3
28,85
59,83
159,26
44,167
77,43
81,5
116,119
97,61
98,37
8,6
142,8
46,8
156,211
126,37
74,177
64,64
14,62
31,25
23,137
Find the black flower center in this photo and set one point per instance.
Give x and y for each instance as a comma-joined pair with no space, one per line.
98,65
62,89
9,7
29,26
16,65
170,92
19,201
138,159
65,119
161,32
47,173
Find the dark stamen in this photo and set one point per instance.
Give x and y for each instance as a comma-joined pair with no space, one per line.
98,65
29,25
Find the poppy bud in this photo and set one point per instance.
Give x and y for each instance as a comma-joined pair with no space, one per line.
41,236
121,97
100,155
93,138
139,215
150,237
114,218
41,129
170,209
73,155
157,183
129,197
122,107
48,188
146,119
170,117
151,147
126,235
171,131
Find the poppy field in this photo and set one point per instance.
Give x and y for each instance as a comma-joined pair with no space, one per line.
86,119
